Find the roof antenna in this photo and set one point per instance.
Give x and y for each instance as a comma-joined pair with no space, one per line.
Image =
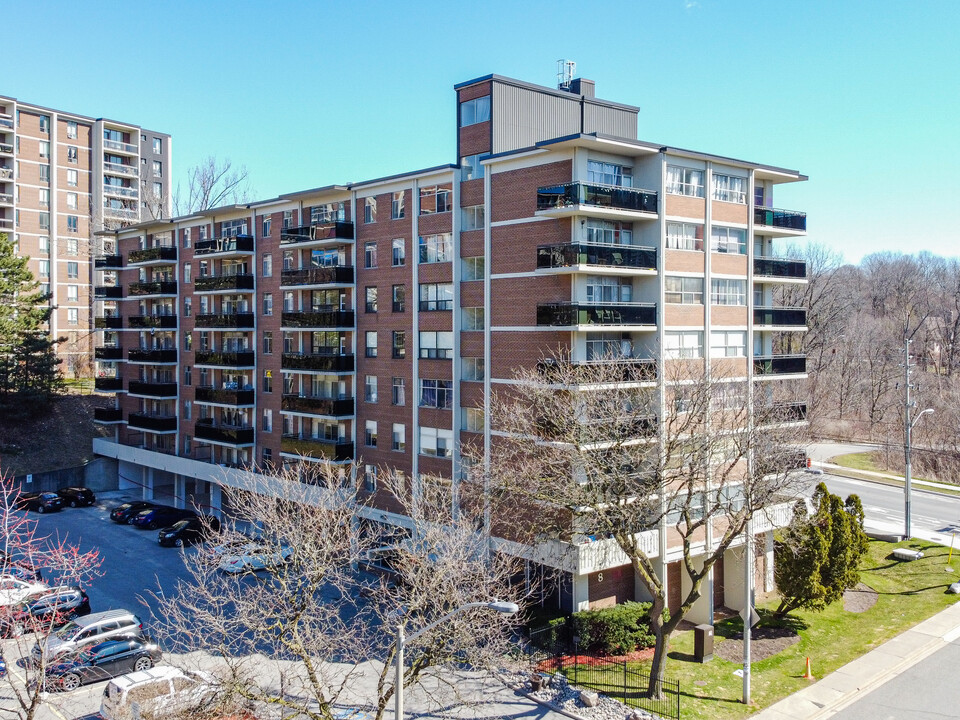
566,69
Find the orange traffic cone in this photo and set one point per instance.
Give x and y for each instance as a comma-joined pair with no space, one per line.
808,675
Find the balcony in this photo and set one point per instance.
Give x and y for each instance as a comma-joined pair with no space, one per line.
573,255
163,287
152,389
121,169
780,364
224,435
610,314
107,292
106,262
6,199
108,352
575,197
108,384
160,357
218,396
6,223
121,191
316,447
123,147
225,246
321,319
161,322
225,321
6,149
217,283
318,362
782,413
783,222
224,359
6,122
123,213
6,173
780,316
152,423
155,255
318,234
108,415
108,322
317,405
335,275
615,369
769,267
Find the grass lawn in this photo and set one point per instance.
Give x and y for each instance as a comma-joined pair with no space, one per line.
908,593
858,461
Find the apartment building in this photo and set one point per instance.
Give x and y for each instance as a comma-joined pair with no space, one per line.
368,323
63,177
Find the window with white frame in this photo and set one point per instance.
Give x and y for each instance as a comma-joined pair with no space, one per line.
370,433
399,344
43,197
436,345
684,181
328,212
726,291
397,210
45,124
398,395
606,289
370,478
72,201
268,303
683,290
370,254
157,168
399,252
436,296
265,227
73,269
73,246
44,173
436,248
187,306
436,442
157,146
370,303
71,130
475,111
472,419
370,343
728,240
607,232
187,409
44,244
604,346
684,236
434,199
472,168
287,219
471,217
73,223
186,237
473,318
471,369
370,210
72,178
472,268
267,265
370,388
268,420
606,173
398,441
436,393
45,149
399,304
728,343
73,316
683,344
73,293
730,188
43,218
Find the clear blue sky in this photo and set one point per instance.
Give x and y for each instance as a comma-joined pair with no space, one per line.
864,97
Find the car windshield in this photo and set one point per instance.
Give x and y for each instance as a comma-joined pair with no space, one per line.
66,631
180,525
49,496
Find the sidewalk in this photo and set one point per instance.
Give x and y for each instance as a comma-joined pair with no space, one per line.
824,698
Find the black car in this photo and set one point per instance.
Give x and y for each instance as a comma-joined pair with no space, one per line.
123,513
188,531
159,516
42,502
102,661
77,496
44,611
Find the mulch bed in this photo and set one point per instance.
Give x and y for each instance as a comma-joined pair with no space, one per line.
634,657
859,599
764,642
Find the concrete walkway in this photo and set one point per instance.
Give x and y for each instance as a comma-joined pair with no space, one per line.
824,698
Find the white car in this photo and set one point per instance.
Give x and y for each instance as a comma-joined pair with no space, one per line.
254,557
14,589
159,692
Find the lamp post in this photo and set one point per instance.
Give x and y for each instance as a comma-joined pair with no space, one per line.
507,608
907,465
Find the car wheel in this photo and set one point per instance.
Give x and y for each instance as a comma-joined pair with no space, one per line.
73,503
143,663
152,525
40,509
69,682
178,542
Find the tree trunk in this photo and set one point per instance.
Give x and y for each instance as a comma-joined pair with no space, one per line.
658,665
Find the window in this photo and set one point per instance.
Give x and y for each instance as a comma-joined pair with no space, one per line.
728,292
71,130
370,254
371,301
370,434
434,199
73,223
43,218
370,210
436,394
328,213
288,301
73,293
268,420
604,173
187,375
287,219
267,265
72,177
399,298
397,210
728,343
45,174
605,289
45,245
188,305
73,316
398,395
472,369
43,197
399,437
45,149
607,232
436,442
473,318
438,345
436,248
157,168
472,419
73,246
265,228
188,341
187,273
729,188
472,268
186,237
475,111
73,269
268,381
471,217
268,343
684,181
758,195
371,344
268,304
684,290
370,478
399,252
472,169
45,124
683,344
72,154
288,260
370,388
684,236
157,146
399,344
436,296
728,240
158,190
71,201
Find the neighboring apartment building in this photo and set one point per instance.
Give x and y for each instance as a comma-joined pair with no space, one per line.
63,177
371,321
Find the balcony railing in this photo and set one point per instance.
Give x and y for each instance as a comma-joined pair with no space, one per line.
164,322
142,355
107,415
107,292
319,231
317,361
152,389
782,412
166,254
239,321
786,219
567,314
5,148
318,405
121,191
554,197
124,213
794,317
212,283
108,352
6,173
108,322
223,433
121,169
6,223
325,319
6,123
318,276
573,254
780,364
615,369
6,198
316,447
224,359
238,244
108,384
108,261
779,267
162,287
152,423
121,146
219,396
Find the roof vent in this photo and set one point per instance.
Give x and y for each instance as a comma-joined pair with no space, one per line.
566,69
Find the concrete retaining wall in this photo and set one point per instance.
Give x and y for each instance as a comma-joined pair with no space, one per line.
98,475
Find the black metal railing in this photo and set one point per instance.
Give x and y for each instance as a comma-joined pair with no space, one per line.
107,292
153,423
339,274
223,434
212,283
335,407
779,364
109,384
108,352
565,314
108,261
317,231
779,267
570,254
614,369
323,319
154,254
224,359
152,389
240,243
775,217
221,396
164,322
162,287
317,361
782,412
107,415
151,355
316,447
780,316
224,320
108,322
612,196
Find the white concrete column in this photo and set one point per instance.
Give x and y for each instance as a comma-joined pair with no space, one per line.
179,491
768,584
215,500
148,483
581,592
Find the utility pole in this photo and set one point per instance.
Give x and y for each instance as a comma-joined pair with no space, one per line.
748,607
908,427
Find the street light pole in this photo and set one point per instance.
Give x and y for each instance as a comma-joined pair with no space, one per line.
908,438
507,608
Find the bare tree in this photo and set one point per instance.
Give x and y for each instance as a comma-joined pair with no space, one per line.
212,183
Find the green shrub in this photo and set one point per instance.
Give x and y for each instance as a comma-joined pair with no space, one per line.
617,630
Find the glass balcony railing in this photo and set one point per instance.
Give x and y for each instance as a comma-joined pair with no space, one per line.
572,254
152,423
108,322
108,384
782,412
225,434
236,244
779,268
316,447
152,389
121,169
144,355
164,287
774,217
120,191
108,352
107,415
617,369
162,322
322,319
225,321
793,317
121,146
567,314
317,361
220,396
780,364
108,261
154,254
554,197
6,148
339,274
338,407
107,292
6,199
214,283
318,231
224,359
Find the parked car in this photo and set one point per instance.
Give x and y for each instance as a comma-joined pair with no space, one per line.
14,590
88,630
123,513
188,531
253,557
19,568
42,502
77,496
160,516
3,667
161,692
44,610
101,661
